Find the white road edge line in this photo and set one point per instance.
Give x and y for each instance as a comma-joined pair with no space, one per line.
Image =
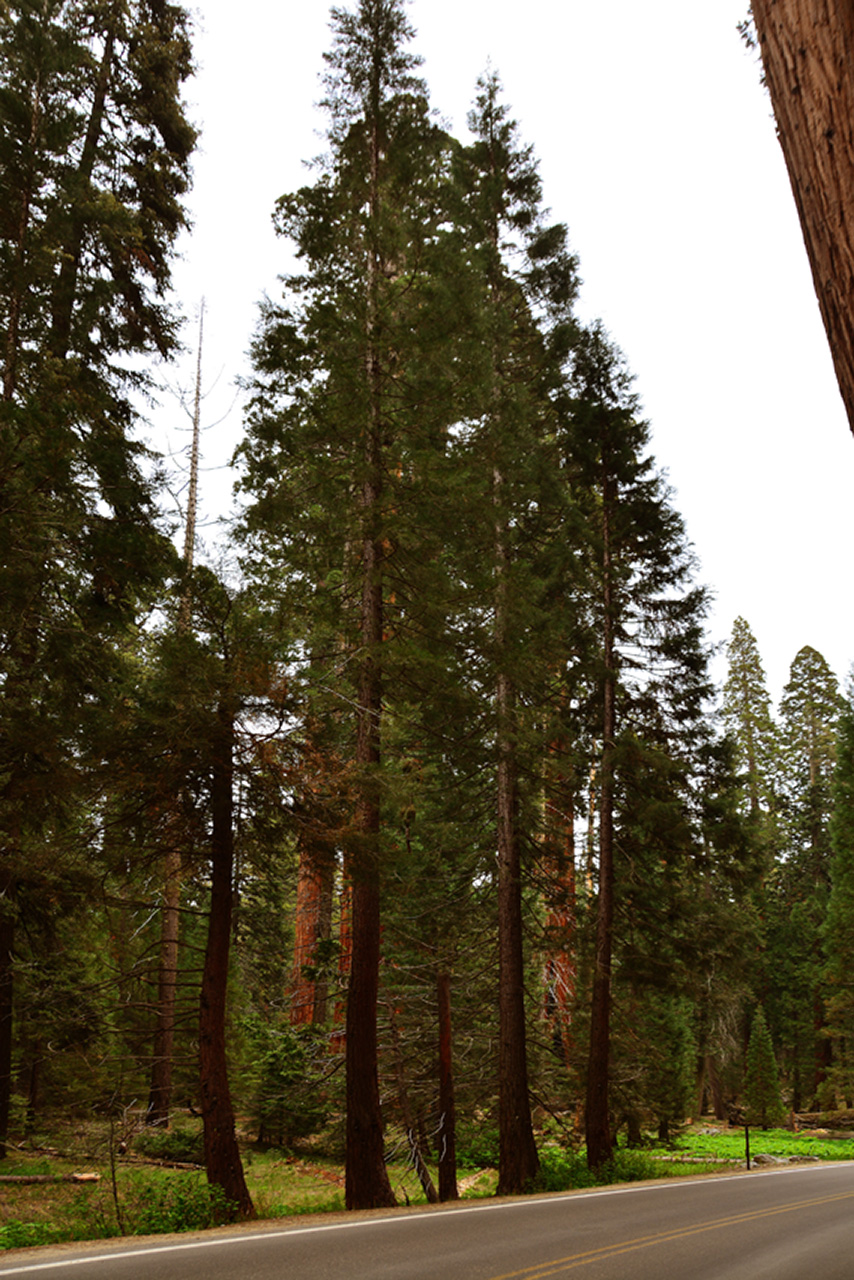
261,1234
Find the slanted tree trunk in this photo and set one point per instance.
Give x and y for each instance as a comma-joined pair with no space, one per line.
222,1156
447,1136
808,55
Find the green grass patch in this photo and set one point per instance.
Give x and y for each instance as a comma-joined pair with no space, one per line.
729,1144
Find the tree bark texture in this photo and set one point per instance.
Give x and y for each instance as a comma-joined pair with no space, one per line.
311,925
222,1156
808,55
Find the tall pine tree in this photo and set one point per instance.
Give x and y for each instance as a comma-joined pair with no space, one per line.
347,421
94,161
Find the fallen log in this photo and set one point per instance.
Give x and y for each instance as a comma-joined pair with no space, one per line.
32,1179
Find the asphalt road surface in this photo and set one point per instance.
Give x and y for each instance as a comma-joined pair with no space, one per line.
789,1224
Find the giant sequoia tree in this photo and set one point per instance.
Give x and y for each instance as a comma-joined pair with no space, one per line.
808,55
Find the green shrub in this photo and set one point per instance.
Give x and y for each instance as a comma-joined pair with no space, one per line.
562,1170
185,1205
477,1146
184,1146
20,1235
288,1100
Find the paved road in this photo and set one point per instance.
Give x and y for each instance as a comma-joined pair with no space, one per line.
790,1224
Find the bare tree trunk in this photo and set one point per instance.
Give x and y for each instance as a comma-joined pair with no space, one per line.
447,1138
160,1092
366,1176
808,55
598,1123
518,1160
222,1156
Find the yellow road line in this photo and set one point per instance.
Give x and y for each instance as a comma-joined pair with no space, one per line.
542,1269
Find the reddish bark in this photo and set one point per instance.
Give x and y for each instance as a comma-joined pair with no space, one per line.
222,1156
338,1037
311,924
808,55
561,965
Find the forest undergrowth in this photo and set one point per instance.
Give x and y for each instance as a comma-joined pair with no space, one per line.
160,1185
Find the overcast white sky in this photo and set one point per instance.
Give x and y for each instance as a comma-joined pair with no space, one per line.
657,148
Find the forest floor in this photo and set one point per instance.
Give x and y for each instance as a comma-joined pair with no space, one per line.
124,1191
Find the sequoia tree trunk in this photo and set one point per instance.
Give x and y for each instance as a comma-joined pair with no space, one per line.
808,55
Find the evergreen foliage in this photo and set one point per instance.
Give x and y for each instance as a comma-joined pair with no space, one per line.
94,160
763,1103
438,770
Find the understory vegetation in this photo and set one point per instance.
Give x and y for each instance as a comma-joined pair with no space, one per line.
147,1199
